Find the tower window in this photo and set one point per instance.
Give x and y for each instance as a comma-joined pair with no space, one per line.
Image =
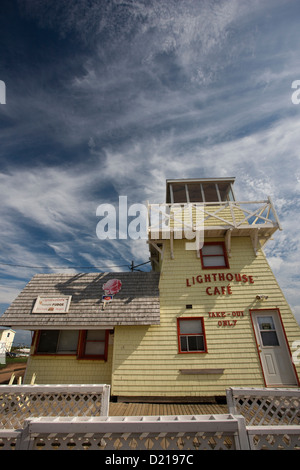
199,191
213,255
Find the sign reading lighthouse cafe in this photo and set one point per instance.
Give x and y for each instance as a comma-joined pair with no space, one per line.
224,318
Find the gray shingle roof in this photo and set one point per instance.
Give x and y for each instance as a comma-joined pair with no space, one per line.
137,303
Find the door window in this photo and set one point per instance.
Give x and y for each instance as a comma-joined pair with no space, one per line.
267,331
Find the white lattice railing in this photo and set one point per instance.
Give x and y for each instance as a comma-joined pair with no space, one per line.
18,403
155,433
162,218
265,406
181,433
274,437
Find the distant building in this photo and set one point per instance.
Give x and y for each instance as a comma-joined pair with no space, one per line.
210,315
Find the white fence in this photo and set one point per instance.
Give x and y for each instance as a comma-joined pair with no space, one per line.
68,417
172,433
18,403
265,406
272,416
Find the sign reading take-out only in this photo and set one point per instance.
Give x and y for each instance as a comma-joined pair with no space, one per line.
52,304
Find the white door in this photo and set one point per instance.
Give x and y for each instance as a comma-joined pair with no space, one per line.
273,350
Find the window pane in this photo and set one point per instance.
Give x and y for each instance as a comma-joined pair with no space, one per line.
68,340
200,343
266,323
190,326
48,341
196,343
195,193
183,343
95,343
95,335
212,250
210,192
230,195
269,338
225,191
179,193
94,348
214,261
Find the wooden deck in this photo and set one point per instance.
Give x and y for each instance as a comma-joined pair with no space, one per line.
164,409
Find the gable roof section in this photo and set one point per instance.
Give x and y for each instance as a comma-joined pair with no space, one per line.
137,303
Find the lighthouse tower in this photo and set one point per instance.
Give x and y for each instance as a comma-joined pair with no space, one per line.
224,320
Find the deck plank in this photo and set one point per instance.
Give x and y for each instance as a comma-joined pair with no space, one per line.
165,409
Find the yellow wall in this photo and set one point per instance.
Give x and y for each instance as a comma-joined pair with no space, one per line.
146,360
69,370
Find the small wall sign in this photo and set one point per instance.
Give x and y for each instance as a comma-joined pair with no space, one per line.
52,304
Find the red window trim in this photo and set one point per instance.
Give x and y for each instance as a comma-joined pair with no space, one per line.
80,354
224,254
82,344
179,319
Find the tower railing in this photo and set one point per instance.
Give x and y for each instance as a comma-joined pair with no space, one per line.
164,219
170,221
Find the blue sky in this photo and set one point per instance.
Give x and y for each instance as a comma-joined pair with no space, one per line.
110,98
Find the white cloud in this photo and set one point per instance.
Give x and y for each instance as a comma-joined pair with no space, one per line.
9,292
49,197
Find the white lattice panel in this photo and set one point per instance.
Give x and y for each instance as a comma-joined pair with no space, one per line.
8,439
18,403
274,437
199,432
136,441
266,406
